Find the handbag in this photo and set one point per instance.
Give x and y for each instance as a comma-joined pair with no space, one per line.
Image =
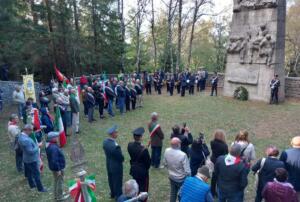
262,163
209,164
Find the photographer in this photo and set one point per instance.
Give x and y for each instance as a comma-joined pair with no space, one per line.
185,137
198,153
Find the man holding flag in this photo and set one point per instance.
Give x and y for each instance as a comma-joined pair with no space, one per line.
31,158
60,128
156,140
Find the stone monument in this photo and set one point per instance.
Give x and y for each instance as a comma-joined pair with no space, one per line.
255,50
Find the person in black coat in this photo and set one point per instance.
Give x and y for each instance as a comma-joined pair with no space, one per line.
99,97
127,98
56,163
171,85
114,162
133,97
140,161
148,80
185,137
231,173
218,147
198,154
46,120
192,80
214,84
183,83
265,168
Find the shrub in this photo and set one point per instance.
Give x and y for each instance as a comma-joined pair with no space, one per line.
241,93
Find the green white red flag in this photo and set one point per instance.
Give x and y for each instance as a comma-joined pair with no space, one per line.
76,191
60,128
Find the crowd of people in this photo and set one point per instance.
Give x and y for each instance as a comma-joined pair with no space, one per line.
189,161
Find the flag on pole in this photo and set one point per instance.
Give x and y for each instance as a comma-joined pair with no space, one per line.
60,128
60,76
36,121
76,191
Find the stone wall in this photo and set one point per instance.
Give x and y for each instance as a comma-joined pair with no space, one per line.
292,87
8,88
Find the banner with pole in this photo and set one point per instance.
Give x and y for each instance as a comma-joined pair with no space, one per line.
29,90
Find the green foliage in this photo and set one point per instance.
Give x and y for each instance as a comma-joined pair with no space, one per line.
241,93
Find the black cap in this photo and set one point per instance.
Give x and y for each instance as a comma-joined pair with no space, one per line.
139,131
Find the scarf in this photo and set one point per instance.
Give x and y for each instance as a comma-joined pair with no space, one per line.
232,160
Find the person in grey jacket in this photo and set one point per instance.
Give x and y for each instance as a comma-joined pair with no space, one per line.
31,158
177,163
114,162
74,104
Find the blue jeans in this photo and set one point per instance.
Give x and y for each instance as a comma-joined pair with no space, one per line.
33,175
121,104
231,196
155,156
109,107
20,110
19,160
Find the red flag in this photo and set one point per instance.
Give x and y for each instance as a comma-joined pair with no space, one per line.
36,121
60,128
60,76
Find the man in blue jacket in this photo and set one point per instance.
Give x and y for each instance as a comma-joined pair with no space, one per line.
31,158
114,162
196,189
56,163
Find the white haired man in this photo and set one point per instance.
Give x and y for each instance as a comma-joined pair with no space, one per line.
177,163
131,191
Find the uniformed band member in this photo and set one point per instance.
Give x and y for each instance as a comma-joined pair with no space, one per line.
139,160
159,84
191,84
183,80
148,84
274,85
156,140
171,85
177,82
114,162
214,84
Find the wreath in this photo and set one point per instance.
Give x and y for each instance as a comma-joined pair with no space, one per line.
241,93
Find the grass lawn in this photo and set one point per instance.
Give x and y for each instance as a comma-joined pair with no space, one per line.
266,124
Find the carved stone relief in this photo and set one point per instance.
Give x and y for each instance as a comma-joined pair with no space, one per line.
240,5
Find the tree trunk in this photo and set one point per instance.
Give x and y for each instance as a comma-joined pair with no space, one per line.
76,19
33,13
179,35
50,28
153,34
168,56
192,32
138,30
122,29
94,25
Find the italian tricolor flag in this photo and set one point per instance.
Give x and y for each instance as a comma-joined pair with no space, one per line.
76,191
60,128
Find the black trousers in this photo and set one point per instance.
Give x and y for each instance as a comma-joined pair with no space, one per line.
143,183
115,184
159,90
274,96
127,103
198,86
178,89
133,103
33,175
191,89
101,107
148,89
171,89
155,86
168,87
214,88
182,91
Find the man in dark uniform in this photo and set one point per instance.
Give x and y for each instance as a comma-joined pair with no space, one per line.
114,162
274,85
139,160
133,97
127,98
214,84
183,81
110,94
159,84
191,83
148,79
177,81
171,85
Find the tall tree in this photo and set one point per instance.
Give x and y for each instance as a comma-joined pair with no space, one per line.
153,34
179,34
122,29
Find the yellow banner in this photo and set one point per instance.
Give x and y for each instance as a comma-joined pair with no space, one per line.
29,87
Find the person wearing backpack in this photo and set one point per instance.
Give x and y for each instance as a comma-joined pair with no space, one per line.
265,169
248,150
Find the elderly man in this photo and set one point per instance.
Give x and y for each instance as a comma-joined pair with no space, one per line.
19,99
90,104
56,163
139,93
231,175
31,158
156,140
178,167
139,160
13,134
75,108
130,192
195,189
114,162
291,158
